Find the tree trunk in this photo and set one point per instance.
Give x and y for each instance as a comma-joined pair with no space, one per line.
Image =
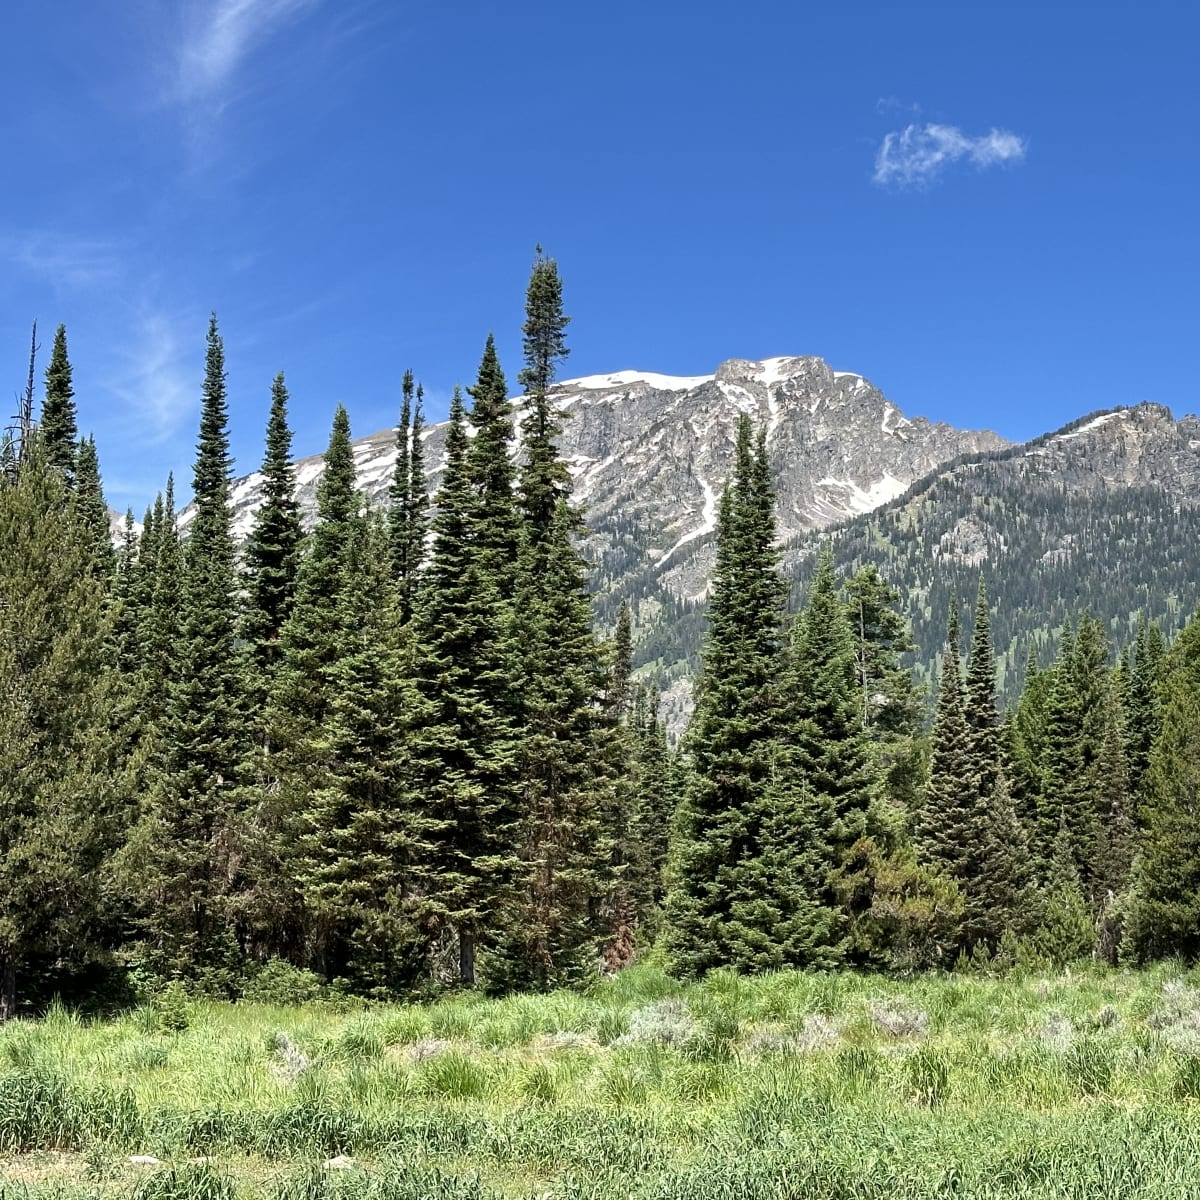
8,987
466,956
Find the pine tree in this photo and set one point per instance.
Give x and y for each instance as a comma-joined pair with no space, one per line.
1067,786
944,824
545,480
1064,932
408,500
271,553
303,813
59,429
358,834
890,704
60,778
983,721
653,794
1026,745
190,838
563,761
1116,832
1144,716
750,863
1000,898
1166,903
462,744
160,583
490,469
824,721
91,509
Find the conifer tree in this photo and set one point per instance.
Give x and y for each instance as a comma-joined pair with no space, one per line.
1000,899
944,831
462,743
1144,716
653,792
563,761
1064,932
1166,903
271,553
59,428
825,721
750,863
358,833
490,469
160,583
1025,745
408,501
983,721
304,821
190,839
1066,798
92,511
60,778
545,480
891,707
1115,833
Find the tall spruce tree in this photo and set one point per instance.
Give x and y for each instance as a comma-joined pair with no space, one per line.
562,768
750,860
1000,898
983,719
407,500
462,745
59,427
60,777
490,469
1116,832
359,832
825,719
92,510
271,553
1166,901
314,640
890,703
191,839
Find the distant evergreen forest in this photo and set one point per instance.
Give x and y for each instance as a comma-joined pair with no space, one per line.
394,755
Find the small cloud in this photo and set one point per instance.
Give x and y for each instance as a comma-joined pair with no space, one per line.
917,154
66,262
155,381
217,42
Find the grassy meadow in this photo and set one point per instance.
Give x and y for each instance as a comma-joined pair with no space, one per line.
1083,1084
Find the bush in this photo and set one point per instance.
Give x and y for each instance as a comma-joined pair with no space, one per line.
281,984
171,1010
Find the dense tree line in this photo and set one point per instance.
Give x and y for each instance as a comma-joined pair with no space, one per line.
394,750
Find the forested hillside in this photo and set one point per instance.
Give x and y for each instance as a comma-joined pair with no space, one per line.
392,750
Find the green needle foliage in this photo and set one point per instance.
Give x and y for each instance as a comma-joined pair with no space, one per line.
187,853
59,424
271,553
60,769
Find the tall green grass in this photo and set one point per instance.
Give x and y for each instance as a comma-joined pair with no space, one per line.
789,1085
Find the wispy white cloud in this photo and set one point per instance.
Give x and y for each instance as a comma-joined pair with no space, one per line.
64,261
153,380
918,154
220,36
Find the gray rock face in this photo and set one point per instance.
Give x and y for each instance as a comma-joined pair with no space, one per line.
650,453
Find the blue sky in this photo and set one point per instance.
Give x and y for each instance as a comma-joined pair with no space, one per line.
989,210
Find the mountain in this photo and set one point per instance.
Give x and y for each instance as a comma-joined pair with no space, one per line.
649,454
1102,515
